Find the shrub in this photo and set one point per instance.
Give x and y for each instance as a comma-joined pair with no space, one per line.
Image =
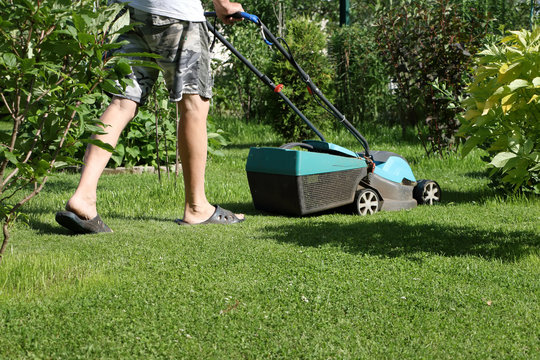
361,77
150,138
425,42
307,44
51,55
503,110
237,90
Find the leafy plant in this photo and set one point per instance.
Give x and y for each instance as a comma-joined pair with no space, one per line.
307,43
150,138
361,76
51,55
503,110
425,42
510,14
237,90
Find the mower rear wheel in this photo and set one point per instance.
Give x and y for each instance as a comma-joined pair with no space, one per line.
366,202
427,192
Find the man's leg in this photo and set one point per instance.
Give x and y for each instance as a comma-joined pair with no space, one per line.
193,145
115,118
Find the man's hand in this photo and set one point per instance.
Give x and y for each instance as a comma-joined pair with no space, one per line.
225,9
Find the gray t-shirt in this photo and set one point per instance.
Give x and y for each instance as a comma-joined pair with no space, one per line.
189,10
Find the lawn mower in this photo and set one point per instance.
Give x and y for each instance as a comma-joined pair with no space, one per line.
312,176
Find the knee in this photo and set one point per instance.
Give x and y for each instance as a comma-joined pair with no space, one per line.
193,103
126,106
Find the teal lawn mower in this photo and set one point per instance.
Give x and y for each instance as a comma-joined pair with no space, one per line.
312,176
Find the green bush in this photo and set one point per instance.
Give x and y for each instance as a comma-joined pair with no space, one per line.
138,144
361,77
307,44
511,14
425,43
51,58
503,110
237,91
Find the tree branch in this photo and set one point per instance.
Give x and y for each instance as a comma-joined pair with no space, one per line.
36,191
5,182
36,137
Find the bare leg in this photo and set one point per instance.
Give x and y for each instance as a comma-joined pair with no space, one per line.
192,143
115,118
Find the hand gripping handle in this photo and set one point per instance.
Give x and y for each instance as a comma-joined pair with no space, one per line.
238,15
250,17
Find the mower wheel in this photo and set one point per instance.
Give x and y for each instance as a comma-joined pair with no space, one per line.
427,192
366,202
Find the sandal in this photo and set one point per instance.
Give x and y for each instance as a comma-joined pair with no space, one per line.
71,221
220,216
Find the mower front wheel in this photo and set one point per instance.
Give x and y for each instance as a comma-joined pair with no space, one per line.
427,192
366,202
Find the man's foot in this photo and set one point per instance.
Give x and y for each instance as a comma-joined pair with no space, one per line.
71,221
81,217
84,209
219,216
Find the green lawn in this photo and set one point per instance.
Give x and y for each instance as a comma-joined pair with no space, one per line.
459,280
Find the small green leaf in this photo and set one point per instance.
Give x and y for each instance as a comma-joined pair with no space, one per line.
123,68
110,86
121,21
99,143
501,159
139,55
85,38
10,156
10,60
535,167
470,144
528,146
518,83
133,151
120,149
60,165
94,129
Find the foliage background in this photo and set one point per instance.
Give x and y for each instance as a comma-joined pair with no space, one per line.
363,78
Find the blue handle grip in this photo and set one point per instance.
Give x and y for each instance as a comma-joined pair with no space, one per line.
250,17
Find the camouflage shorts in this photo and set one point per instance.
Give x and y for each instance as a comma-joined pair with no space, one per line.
185,56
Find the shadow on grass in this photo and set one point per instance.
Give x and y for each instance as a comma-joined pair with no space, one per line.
44,228
398,239
478,174
464,197
379,238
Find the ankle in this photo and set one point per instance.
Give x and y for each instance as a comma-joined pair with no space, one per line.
198,212
84,207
